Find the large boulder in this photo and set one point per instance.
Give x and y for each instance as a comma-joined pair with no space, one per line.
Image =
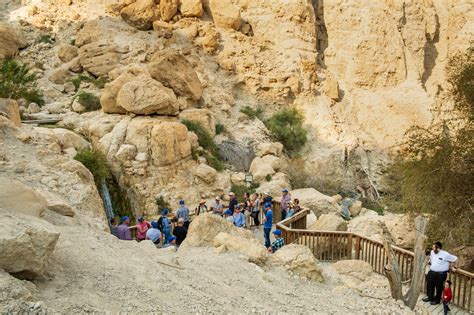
26,245
201,115
401,228
145,96
356,270
168,9
67,52
206,173
369,224
315,201
174,71
59,76
298,259
99,57
269,148
251,248
12,39
260,169
141,14
191,8
278,182
19,198
204,229
9,109
329,222
169,143
108,98
69,139
225,14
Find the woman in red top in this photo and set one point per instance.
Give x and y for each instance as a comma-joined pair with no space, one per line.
142,227
447,296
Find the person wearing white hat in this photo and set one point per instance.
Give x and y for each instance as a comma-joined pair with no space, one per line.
217,206
232,202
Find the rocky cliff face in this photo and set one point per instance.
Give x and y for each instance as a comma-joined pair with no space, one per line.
361,72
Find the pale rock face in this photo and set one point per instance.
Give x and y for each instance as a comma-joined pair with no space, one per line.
59,76
141,14
402,229
191,8
356,208
108,98
278,182
298,259
275,162
26,245
225,14
68,139
9,109
367,225
358,269
12,39
99,57
19,198
169,143
204,116
145,96
269,148
126,152
174,71
315,201
168,9
251,248
67,52
329,222
260,169
206,173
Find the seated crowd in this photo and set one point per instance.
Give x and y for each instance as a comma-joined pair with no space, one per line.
254,207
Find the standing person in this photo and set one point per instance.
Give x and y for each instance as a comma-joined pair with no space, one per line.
183,212
217,207
291,210
166,226
123,230
113,227
201,208
285,200
439,268
447,296
296,205
232,202
278,243
256,209
239,218
142,227
180,232
267,198
267,223
153,234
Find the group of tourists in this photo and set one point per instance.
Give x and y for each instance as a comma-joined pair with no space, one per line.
162,233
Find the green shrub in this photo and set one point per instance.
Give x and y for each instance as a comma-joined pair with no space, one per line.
287,127
219,129
268,177
76,81
252,113
45,38
90,101
97,82
161,203
16,81
239,190
214,162
96,162
204,137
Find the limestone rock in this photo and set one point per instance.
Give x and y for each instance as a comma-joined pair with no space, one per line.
367,225
331,88
206,173
275,162
169,143
298,259
61,207
99,57
401,228
358,269
251,248
260,169
278,182
329,222
126,152
25,245
168,9
108,98
204,228
225,14
145,96
67,52
266,148
355,208
315,201
12,39
15,290
141,14
191,8
174,71
69,139
9,109
204,116
59,76
17,197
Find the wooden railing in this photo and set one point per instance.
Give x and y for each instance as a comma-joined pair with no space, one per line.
336,245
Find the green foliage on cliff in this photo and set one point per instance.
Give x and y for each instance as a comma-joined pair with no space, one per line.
96,162
287,127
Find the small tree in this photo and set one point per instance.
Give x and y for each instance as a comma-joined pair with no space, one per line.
287,127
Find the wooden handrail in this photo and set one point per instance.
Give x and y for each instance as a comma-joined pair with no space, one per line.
341,245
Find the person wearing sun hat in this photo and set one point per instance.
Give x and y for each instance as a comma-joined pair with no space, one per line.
285,200
201,208
277,243
217,206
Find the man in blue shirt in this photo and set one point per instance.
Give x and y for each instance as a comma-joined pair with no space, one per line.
239,217
267,223
183,212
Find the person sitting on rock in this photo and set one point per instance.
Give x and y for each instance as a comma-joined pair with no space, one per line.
232,202
239,217
277,243
228,216
142,228
113,227
123,230
153,234
201,208
180,232
170,242
183,212
166,226
217,207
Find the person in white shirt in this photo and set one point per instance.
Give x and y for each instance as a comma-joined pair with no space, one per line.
439,267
